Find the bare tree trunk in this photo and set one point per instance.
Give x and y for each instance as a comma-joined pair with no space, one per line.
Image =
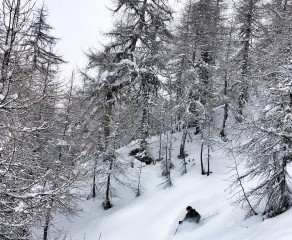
167,168
144,126
107,203
182,154
160,147
107,133
48,219
167,163
170,143
247,35
241,103
160,136
138,193
201,157
243,191
183,143
225,116
208,152
226,107
107,120
94,180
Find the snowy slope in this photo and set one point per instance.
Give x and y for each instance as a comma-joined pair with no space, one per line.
155,214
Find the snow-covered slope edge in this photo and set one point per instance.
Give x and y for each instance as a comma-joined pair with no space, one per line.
155,214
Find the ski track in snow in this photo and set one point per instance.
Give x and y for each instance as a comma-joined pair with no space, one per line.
155,214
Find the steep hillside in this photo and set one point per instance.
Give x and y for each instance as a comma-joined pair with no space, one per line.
156,213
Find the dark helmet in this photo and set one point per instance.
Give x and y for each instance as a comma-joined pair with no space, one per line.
189,208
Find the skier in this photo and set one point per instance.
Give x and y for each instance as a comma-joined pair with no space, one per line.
191,216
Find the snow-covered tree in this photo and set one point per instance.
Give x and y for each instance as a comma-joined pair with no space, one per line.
34,177
128,72
267,148
193,65
249,20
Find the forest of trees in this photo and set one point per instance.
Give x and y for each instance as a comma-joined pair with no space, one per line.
156,75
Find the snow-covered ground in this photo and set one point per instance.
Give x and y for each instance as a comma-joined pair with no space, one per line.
155,214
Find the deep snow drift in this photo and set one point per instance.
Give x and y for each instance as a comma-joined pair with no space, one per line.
155,214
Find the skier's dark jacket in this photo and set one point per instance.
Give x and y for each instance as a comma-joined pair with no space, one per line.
192,216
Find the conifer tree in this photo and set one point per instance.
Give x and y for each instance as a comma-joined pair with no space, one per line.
194,66
129,65
30,170
268,148
248,17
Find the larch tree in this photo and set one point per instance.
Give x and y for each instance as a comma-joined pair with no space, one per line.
249,28
267,150
16,167
29,168
129,64
195,62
